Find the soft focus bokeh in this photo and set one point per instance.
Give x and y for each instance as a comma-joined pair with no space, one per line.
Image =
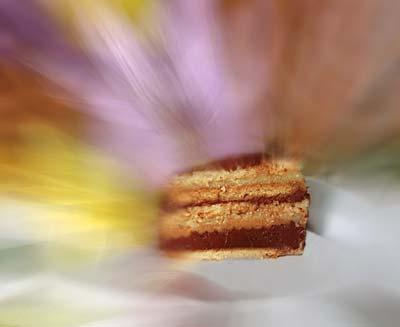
102,101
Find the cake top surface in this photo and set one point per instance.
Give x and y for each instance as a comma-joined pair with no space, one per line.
238,170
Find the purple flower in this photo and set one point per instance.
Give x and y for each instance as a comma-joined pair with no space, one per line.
160,103
26,29
165,101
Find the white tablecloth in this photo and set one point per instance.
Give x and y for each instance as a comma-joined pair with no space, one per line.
349,275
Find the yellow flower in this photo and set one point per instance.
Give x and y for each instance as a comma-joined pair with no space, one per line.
76,196
134,9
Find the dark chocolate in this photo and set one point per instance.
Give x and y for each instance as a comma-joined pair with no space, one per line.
276,236
231,163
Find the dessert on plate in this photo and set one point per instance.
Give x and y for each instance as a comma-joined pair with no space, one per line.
244,207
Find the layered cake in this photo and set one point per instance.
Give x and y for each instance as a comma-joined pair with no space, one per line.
247,207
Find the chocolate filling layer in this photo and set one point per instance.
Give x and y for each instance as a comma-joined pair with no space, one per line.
276,236
296,196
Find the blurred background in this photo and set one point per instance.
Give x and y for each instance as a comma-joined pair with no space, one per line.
102,101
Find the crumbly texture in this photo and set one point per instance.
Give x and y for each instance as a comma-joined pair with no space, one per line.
268,179
181,197
266,172
223,254
256,210
225,216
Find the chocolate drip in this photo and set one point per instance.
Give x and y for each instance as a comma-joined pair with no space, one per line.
231,163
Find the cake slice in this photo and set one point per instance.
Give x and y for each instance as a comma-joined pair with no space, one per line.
247,207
